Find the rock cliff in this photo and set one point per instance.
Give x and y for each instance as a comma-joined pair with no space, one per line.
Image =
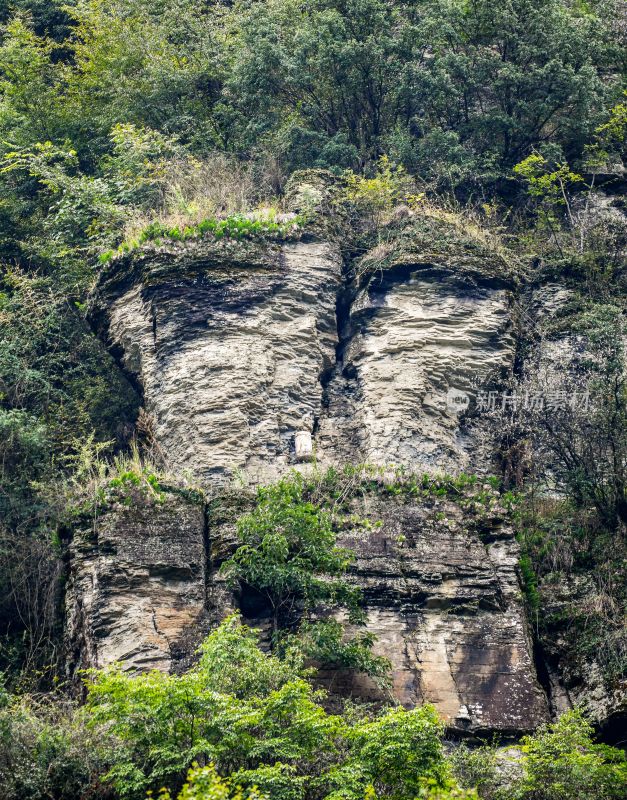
237,346
439,579
137,582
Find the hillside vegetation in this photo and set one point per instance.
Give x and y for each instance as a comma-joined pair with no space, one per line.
129,124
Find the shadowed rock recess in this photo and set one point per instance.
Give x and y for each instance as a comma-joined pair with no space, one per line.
237,346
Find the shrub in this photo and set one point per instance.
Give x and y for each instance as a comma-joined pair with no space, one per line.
396,755
288,553
257,721
46,750
375,197
326,642
476,768
239,708
204,783
561,762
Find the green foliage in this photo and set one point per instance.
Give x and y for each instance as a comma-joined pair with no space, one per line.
75,214
456,92
529,582
104,121
244,725
46,750
48,16
57,386
114,119
234,664
546,185
574,575
58,390
430,792
453,89
561,761
204,783
256,720
394,754
288,553
326,643
591,448
235,227
609,141
476,768
150,64
211,713
31,108
374,196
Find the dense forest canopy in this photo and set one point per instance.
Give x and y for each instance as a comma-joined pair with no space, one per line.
98,97
131,121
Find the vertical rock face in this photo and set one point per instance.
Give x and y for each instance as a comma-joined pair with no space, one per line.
230,349
559,375
417,340
237,347
440,584
136,587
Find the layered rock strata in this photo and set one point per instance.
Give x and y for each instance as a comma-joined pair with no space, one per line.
230,343
443,598
237,346
421,342
136,585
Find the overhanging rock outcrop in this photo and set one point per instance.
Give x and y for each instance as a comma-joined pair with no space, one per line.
238,345
427,325
230,342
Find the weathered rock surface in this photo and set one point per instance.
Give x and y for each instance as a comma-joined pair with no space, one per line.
230,351
444,600
558,400
136,587
415,340
236,347
580,677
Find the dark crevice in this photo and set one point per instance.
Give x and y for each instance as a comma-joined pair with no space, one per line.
253,604
206,538
343,303
99,324
542,673
613,730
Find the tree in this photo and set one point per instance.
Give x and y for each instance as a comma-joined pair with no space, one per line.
583,445
204,783
47,750
31,107
395,754
561,761
456,91
256,720
288,553
320,78
156,64
509,76
549,187
239,708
